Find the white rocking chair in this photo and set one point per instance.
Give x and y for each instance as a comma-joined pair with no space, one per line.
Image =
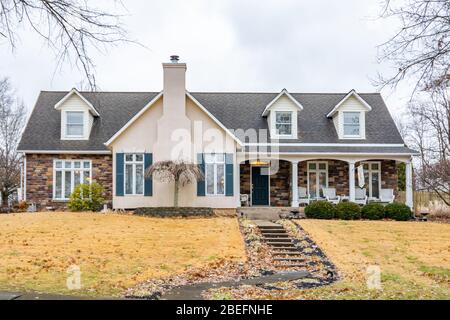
387,195
303,196
361,196
330,195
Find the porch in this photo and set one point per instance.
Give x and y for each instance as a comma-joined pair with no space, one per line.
276,182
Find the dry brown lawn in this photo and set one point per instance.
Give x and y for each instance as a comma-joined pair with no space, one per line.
113,252
414,259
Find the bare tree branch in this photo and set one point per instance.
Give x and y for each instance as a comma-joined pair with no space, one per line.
71,28
420,50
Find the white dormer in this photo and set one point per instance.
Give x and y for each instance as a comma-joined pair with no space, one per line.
349,116
281,115
77,116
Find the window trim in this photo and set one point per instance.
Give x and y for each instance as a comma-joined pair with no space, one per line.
273,123
359,123
215,163
64,124
133,163
72,175
291,113
317,170
67,124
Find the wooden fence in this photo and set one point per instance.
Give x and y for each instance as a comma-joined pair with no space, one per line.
421,198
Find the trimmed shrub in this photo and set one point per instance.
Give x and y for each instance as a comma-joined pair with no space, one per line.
398,211
373,211
320,210
348,211
86,197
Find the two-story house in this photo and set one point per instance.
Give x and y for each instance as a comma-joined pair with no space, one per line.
272,147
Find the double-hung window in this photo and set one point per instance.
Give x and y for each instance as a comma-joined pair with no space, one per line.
74,123
283,123
67,175
352,125
215,174
134,174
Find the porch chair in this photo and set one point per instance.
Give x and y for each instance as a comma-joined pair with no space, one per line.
330,195
387,195
303,196
361,196
245,200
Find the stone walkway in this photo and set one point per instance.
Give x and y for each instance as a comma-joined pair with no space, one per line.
194,291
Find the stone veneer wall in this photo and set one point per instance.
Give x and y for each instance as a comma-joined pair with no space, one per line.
389,175
39,175
280,184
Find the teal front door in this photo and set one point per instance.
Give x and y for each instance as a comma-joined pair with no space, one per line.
260,190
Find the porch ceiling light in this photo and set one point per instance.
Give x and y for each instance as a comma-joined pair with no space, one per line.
260,163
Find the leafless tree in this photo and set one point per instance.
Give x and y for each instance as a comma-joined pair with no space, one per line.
12,122
180,172
429,133
420,50
71,28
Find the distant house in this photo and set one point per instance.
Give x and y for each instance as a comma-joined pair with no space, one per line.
272,148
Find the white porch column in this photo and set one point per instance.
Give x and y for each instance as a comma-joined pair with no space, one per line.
237,181
294,178
351,183
409,187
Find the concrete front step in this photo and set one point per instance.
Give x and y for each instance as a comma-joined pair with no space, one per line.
275,235
283,245
273,232
278,241
280,253
288,259
292,265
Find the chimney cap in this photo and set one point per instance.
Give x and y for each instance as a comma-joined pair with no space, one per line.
174,58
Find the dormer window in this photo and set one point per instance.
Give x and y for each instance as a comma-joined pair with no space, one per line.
283,123
282,113
77,116
349,116
352,124
75,124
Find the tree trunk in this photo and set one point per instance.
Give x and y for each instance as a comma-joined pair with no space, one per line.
175,198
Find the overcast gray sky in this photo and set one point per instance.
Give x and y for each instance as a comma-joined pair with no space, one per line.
265,45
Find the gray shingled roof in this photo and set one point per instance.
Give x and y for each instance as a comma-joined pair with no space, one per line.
234,110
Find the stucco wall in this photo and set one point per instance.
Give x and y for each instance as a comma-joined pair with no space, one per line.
142,137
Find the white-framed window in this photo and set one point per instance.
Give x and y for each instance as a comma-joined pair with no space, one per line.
74,123
372,178
352,123
283,123
215,174
317,178
134,173
67,174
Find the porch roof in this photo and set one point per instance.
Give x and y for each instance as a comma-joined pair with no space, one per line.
332,149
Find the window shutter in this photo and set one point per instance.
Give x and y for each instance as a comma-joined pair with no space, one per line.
201,183
119,174
229,174
148,186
